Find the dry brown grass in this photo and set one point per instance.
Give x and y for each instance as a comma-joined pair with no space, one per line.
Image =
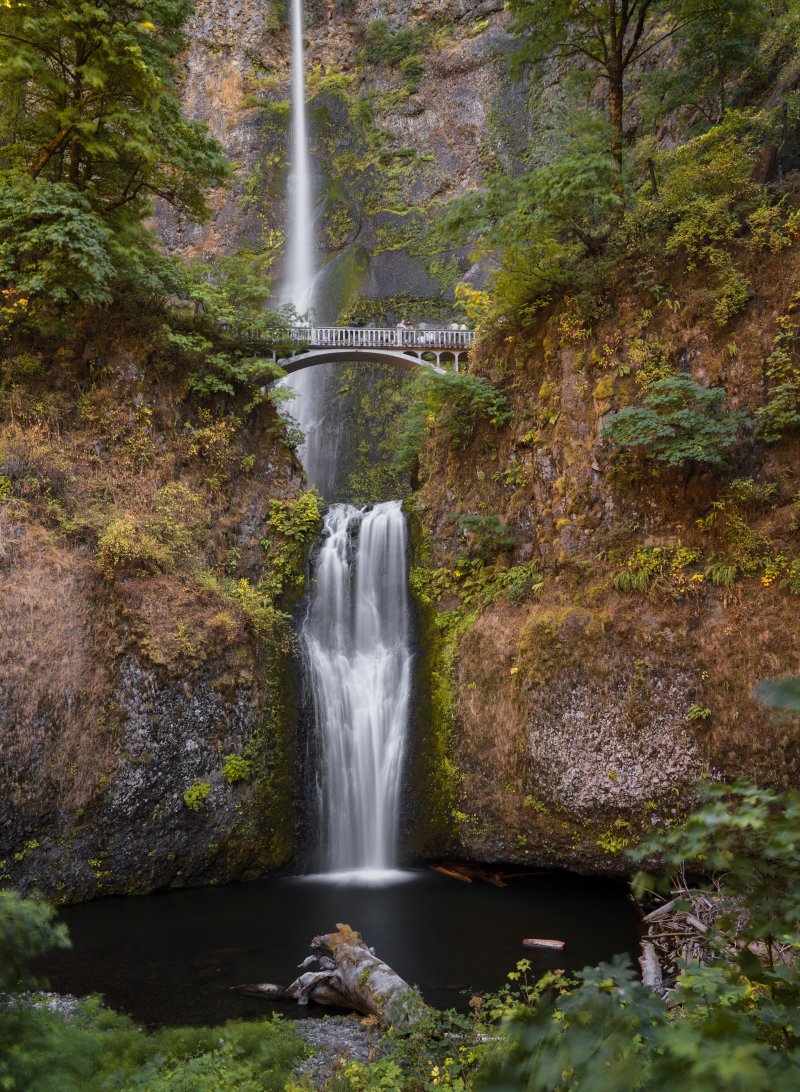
52,685
116,440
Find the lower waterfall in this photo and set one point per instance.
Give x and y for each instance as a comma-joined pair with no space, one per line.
356,641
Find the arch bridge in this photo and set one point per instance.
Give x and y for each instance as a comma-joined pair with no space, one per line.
408,348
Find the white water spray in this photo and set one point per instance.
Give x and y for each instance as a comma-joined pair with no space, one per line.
357,647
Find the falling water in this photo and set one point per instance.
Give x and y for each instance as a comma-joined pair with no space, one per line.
356,634
308,406
300,282
357,647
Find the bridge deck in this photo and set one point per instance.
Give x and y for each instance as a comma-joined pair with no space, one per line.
371,337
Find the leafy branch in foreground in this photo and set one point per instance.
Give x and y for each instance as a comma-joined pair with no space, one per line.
92,133
732,1022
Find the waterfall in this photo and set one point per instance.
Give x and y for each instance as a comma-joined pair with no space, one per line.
307,407
356,634
357,648
300,281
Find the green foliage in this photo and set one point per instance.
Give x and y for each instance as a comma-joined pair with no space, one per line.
606,38
730,1024
256,602
237,768
384,46
698,712
698,213
714,48
456,402
485,536
411,67
781,413
53,247
220,316
99,1050
156,544
720,574
27,930
545,220
678,423
92,131
125,545
666,570
297,522
196,795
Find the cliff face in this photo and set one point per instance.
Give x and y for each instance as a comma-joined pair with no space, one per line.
559,715
410,104
146,707
581,707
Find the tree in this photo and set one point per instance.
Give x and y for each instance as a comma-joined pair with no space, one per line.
680,422
544,220
608,35
90,123
715,49
219,314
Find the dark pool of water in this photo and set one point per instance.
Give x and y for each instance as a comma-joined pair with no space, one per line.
173,958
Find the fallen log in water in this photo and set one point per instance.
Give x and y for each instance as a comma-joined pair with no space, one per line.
350,976
451,872
466,873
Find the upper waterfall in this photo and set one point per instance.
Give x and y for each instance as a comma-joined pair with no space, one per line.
300,281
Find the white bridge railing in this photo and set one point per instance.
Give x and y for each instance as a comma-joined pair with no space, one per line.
371,337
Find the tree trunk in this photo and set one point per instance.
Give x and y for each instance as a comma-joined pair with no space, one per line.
350,976
616,113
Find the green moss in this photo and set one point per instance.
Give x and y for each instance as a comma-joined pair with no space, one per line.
436,779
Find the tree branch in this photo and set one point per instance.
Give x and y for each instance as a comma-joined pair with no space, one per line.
47,153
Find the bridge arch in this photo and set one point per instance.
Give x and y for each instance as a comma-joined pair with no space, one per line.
410,360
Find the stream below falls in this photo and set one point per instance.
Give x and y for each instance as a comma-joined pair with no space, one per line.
172,958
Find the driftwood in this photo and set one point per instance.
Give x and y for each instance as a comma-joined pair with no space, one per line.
652,976
466,873
350,976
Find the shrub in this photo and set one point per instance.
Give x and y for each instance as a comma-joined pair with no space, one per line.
782,410
454,401
384,46
411,67
664,569
679,422
486,535
123,545
195,796
236,768
720,574
733,1015
27,930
